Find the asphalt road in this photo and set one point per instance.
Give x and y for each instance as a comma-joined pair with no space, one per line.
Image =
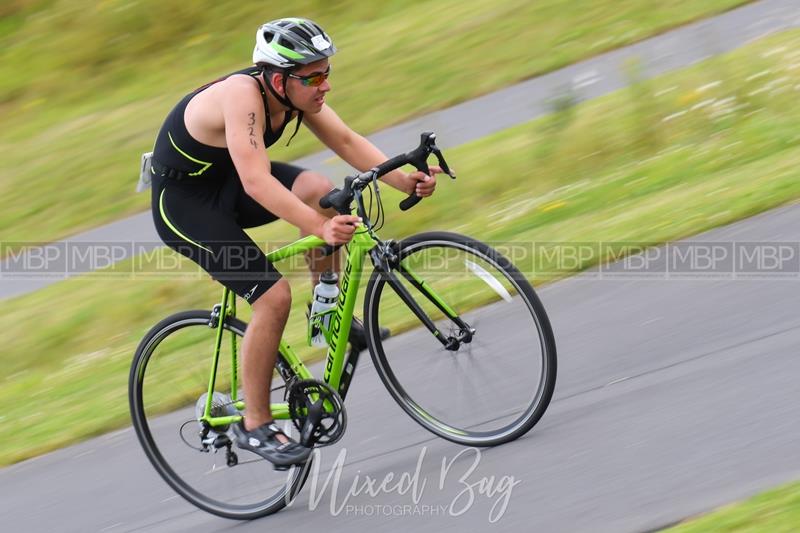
465,122
677,393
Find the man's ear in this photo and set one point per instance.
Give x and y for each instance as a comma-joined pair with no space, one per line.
276,78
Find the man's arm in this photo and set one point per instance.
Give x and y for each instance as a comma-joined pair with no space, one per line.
243,112
363,155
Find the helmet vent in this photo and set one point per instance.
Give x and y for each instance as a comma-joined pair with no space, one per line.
301,32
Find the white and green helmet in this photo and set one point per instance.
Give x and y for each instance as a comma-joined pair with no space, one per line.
288,42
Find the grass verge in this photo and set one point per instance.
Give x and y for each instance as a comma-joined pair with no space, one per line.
662,160
776,511
77,107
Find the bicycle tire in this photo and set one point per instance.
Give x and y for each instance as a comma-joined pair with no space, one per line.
408,380
148,422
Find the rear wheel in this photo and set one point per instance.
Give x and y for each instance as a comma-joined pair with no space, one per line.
499,381
167,391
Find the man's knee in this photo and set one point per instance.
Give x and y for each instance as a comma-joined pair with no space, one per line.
278,299
311,186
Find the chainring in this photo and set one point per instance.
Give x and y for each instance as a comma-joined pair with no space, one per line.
317,411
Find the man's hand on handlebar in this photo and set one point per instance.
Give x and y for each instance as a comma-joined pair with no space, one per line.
339,229
418,182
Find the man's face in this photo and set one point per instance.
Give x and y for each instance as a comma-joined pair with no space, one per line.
302,86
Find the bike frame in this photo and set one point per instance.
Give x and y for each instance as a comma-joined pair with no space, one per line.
339,367
336,374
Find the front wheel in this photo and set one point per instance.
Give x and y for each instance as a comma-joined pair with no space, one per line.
488,374
168,389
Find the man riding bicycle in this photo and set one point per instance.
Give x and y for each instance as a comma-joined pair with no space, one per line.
212,178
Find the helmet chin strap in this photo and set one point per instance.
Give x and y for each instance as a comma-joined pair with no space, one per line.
282,99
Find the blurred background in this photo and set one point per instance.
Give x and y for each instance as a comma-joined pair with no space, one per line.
84,87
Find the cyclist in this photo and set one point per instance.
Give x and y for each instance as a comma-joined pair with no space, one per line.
213,178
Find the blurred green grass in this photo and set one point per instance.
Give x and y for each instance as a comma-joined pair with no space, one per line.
661,160
774,511
84,85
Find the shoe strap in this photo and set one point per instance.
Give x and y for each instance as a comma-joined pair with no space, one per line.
272,429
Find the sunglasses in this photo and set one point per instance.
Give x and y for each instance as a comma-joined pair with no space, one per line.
313,80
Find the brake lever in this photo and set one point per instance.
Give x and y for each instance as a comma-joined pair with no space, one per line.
358,198
442,163
428,140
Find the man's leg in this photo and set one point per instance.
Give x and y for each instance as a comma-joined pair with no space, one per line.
262,338
259,350
310,187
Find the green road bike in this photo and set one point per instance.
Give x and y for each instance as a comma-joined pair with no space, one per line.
472,358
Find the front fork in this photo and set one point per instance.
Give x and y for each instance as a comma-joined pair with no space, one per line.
387,262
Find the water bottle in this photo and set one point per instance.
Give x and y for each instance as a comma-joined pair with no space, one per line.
325,294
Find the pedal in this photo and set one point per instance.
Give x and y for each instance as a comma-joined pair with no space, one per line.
231,458
221,441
